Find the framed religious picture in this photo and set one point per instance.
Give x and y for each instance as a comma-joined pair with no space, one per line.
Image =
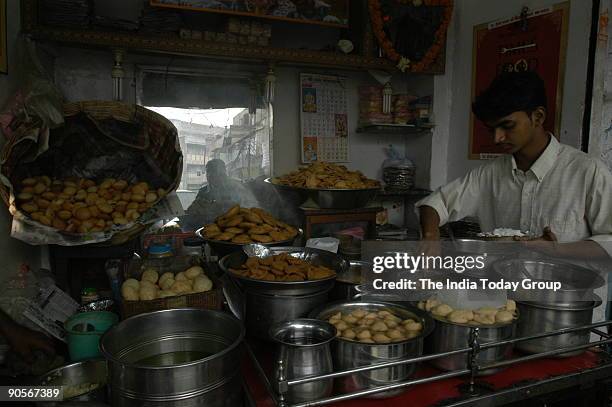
535,40
3,41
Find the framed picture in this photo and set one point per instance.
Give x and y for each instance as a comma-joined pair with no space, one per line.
535,41
3,41
332,13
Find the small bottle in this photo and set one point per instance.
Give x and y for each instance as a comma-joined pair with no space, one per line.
89,294
192,248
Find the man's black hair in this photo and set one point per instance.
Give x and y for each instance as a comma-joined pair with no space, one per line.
508,93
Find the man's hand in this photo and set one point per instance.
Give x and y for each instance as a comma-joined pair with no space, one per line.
429,246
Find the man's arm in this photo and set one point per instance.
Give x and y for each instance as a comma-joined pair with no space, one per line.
451,202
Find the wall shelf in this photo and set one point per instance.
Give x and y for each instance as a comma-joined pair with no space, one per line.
174,45
395,128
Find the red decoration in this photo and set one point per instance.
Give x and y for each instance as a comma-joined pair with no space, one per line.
385,43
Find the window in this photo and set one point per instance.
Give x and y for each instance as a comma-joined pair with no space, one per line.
217,117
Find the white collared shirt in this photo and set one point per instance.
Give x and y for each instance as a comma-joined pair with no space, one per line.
564,189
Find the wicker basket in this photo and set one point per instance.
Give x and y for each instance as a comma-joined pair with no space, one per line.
212,299
158,139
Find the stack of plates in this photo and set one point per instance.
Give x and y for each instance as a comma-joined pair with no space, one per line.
69,13
399,178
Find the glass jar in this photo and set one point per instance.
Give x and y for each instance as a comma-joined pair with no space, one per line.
89,294
159,258
192,248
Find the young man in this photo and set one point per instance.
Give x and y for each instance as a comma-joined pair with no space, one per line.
540,185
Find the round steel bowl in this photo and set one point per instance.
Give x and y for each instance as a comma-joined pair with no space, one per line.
223,248
348,354
314,256
333,198
91,371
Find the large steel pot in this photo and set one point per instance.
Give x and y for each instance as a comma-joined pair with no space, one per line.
349,354
538,318
264,311
448,336
178,357
314,256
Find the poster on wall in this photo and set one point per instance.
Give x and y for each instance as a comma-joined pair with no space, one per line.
3,41
329,12
535,41
324,118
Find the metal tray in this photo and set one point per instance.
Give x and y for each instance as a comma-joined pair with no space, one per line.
315,256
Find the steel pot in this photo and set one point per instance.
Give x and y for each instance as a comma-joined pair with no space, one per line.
177,357
539,318
71,377
448,336
263,311
304,351
347,282
349,354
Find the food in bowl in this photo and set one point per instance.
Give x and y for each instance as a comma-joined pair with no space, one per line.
152,286
71,391
248,225
322,175
281,267
78,205
480,317
362,325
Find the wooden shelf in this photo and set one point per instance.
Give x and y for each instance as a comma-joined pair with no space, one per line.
173,44
395,128
178,46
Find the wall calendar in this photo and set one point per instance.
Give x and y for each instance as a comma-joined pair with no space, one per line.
324,118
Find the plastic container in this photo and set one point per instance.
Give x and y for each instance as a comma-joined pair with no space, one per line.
84,332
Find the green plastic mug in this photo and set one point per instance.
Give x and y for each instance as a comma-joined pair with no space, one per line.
84,331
